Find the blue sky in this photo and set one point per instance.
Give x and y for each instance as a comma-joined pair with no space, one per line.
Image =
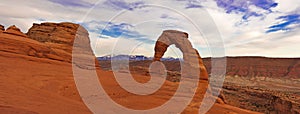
247,27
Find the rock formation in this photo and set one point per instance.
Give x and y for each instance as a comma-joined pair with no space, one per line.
57,35
14,31
294,70
46,40
180,39
2,28
191,57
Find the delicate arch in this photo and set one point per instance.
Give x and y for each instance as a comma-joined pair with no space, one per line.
180,39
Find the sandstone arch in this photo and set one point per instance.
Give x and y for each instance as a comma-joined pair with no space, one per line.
180,39
191,57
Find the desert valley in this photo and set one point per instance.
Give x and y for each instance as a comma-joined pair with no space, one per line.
267,85
37,78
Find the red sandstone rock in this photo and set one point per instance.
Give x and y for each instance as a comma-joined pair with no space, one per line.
47,40
2,28
14,31
192,59
190,55
294,70
57,35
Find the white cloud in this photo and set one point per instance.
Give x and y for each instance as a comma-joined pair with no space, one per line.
286,6
240,37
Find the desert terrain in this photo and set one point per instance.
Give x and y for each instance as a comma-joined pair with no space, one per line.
37,78
267,85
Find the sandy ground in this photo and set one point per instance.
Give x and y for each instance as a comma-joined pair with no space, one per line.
38,85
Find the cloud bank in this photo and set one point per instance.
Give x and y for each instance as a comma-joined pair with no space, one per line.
248,27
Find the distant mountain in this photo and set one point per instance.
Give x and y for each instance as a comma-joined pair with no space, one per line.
133,58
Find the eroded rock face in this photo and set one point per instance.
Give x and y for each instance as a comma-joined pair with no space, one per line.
2,28
56,35
60,38
14,31
294,70
47,40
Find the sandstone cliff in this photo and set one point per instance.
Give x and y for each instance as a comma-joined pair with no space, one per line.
260,67
46,40
13,30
